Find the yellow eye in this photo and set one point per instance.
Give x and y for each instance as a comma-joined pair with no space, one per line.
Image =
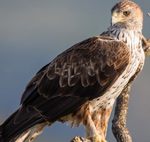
126,13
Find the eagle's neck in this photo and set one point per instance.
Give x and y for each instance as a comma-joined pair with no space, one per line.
132,38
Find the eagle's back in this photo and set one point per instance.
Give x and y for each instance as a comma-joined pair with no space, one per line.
105,102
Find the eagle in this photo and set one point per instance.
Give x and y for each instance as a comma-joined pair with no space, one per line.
81,84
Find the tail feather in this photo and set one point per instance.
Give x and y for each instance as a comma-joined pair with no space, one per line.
1,131
25,121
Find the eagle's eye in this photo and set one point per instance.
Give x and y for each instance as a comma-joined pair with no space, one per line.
126,13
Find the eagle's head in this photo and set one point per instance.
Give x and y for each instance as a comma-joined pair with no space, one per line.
127,14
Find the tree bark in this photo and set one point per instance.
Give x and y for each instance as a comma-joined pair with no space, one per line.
119,129
80,139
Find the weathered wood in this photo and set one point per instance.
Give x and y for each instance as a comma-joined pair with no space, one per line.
80,139
119,129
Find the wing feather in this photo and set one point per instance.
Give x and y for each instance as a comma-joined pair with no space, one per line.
81,73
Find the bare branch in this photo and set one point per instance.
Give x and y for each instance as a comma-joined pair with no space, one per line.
119,129
80,139
146,47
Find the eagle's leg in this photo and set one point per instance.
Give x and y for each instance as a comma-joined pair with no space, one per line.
91,131
100,119
90,127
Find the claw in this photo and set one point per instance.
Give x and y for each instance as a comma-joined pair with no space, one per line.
98,138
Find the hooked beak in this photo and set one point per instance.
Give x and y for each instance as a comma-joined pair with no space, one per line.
116,18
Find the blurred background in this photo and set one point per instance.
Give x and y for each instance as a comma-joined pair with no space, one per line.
33,32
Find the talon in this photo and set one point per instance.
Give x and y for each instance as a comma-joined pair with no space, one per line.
97,138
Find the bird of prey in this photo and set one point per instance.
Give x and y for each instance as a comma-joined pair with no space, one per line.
81,84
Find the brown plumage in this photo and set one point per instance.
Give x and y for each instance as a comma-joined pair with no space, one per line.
81,84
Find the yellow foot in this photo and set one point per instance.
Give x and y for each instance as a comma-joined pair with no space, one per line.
98,138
